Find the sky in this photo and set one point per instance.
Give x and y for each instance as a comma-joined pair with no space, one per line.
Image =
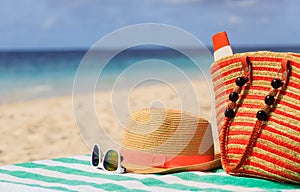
72,24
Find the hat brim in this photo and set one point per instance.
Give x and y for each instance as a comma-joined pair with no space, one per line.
215,163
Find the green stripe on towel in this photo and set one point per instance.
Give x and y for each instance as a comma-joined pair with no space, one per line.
72,171
39,186
183,181
236,181
38,177
151,182
156,182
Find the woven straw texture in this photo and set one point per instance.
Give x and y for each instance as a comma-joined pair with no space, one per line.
155,137
276,153
166,132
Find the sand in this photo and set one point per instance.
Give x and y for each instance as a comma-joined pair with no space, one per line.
50,128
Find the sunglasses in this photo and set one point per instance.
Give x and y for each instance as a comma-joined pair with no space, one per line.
109,162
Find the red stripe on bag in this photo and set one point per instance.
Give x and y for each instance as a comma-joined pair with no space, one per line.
294,74
262,88
230,72
276,111
287,152
238,151
232,81
220,123
274,171
217,77
218,87
268,59
281,101
295,64
262,175
238,141
295,107
295,128
253,115
292,95
221,85
267,168
273,69
227,62
240,132
265,176
277,152
246,114
258,78
294,85
260,98
218,96
272,130
243,123
242,114
250,106
235,70
278,162
252,58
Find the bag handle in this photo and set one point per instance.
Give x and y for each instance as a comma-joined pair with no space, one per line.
262,115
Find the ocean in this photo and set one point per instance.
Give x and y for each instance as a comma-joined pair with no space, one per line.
27,75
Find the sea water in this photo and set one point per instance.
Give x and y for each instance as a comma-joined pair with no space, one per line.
26,75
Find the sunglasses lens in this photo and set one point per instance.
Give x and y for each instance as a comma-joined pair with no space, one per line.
111,160
95,156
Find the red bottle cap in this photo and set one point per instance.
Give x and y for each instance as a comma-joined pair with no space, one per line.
220,40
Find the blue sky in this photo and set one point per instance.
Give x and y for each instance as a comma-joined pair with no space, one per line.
42,24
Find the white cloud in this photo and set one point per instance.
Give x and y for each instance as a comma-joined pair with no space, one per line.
234,19
49,22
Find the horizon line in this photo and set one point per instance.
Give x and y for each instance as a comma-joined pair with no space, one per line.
68,49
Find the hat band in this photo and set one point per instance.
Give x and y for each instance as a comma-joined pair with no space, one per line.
162,160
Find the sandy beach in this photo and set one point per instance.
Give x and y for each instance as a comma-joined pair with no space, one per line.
46,128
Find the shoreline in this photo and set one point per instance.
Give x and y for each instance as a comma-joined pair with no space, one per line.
45,128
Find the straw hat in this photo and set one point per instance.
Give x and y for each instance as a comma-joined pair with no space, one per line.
164,141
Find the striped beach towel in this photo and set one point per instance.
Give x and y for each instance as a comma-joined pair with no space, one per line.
76,174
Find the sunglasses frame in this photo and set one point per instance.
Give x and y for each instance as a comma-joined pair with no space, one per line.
100,165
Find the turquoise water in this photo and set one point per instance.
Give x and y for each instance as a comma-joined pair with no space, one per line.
32,74
26,75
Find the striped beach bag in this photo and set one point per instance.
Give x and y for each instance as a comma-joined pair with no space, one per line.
258,112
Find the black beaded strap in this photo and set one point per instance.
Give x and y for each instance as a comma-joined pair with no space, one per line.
261,115
234,96
240,82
